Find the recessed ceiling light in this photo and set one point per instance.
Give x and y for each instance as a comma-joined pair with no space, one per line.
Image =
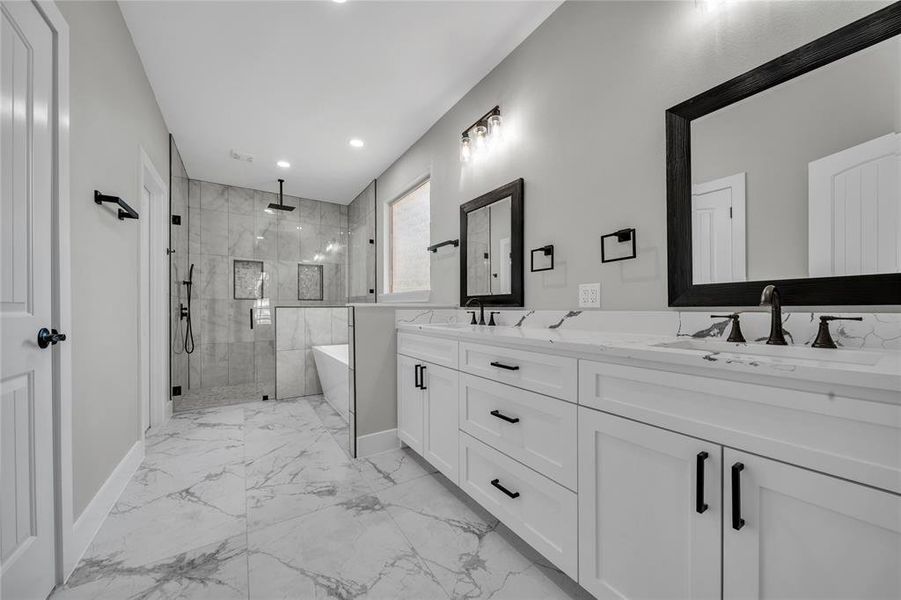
339,1
283,164
356,143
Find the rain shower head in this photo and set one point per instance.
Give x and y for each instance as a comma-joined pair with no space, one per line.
281,199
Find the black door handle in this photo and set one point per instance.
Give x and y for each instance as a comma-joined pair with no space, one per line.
497,413
737,521
700,505
416,376
503,366
46,337
496,483
422,377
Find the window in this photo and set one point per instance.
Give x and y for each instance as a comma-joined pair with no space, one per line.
408,263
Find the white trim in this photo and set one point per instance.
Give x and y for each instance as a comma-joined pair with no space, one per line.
383,253
378,442
90,521
62,291
153,314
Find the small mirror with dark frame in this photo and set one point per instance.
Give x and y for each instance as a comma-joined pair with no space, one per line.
491,247
790,174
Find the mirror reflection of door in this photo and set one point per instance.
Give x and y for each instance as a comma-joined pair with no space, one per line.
854,218
718,230
488,249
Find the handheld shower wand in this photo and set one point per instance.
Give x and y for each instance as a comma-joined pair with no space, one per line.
185,312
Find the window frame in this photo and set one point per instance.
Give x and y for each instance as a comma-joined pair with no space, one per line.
387,262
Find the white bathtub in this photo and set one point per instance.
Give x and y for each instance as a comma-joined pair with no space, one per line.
332,363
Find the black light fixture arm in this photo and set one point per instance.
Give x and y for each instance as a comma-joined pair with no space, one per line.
483,120
125,211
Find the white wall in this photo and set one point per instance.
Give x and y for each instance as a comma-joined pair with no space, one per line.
113,113
583,100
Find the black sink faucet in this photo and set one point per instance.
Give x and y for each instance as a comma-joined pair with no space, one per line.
771,297
472,301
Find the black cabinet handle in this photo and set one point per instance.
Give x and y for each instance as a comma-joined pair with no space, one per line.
700,505
251,318
496,483
737,521
503,366
497,413
422,377
416,376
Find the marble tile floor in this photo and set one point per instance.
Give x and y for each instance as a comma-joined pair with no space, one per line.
261,501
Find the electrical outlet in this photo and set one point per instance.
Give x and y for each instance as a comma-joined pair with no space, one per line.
589,295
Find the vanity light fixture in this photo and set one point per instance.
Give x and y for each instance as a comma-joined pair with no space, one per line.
482,135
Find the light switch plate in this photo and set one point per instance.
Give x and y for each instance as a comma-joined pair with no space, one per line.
589,295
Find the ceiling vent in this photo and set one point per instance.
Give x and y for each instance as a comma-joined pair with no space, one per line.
242,156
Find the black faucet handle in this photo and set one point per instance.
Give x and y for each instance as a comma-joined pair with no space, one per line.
491,322
735,335
473,313
824,336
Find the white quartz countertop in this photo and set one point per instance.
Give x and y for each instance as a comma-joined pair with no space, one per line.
878,381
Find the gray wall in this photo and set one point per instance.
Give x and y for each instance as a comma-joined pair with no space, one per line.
773,136
113,113
583,100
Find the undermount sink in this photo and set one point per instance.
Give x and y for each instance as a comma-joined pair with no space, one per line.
854,357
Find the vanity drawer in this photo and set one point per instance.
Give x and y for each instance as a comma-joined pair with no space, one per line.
435,350
542,436
543,513
845,437
543,373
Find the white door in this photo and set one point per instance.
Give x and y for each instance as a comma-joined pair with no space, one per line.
644,531
855,210
26,372
442,399
146,319
806,535
718,230
410,413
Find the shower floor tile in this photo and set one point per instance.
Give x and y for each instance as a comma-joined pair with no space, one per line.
260,500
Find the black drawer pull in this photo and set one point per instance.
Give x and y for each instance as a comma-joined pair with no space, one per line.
503,366
416,383
422,377
700,505
496,483
497,413
737,521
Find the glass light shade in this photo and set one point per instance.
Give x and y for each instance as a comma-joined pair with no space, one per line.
494,127
465,148
481,137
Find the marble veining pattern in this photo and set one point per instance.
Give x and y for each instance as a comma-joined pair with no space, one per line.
260,501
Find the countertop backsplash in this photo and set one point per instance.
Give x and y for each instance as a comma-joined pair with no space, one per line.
876,330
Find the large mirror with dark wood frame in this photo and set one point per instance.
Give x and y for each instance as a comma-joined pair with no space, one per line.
491,247
790,174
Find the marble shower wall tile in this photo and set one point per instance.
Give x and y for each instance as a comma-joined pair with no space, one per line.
290,373
226,223
290,329
213,197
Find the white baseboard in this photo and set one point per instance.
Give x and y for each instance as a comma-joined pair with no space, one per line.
89,522
380,441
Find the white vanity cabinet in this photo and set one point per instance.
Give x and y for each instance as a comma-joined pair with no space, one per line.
803,534
427,409
650,480
649,510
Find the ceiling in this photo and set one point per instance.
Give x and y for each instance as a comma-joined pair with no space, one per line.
296,81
